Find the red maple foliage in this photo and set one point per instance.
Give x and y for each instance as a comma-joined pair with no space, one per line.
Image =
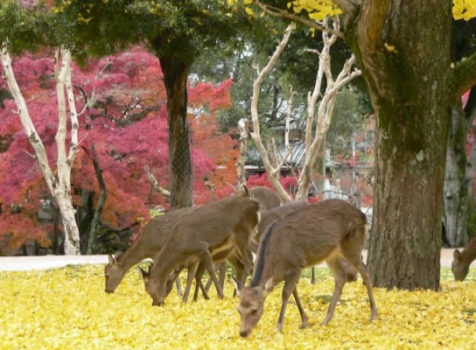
127,124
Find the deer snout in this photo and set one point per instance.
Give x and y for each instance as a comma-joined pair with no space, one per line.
157,303
245,333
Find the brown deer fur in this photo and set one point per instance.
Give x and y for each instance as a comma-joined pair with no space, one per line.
266,197
206,231
322,231
147,245
462,260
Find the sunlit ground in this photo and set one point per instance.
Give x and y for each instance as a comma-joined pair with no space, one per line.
68,309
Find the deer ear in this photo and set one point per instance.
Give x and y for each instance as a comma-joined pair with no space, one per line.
112,259
145,274
456,255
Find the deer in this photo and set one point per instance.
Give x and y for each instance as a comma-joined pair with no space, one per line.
331,230
147,245
206,231
269,215
266,197
462,260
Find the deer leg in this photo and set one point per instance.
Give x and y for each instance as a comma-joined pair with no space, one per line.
178,285
339,285
192,269
222,275
365,276
204,290
206,260
288,288
198,283
313,275
221,278
304,318
351,247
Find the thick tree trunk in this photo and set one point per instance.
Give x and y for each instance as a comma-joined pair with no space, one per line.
175,79
403,48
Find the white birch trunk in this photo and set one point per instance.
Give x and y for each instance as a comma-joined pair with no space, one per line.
59,185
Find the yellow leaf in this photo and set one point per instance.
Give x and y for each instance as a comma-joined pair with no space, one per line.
249,11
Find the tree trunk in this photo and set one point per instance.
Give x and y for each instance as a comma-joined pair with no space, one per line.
175,79
403,48
93,230
455,189
71,231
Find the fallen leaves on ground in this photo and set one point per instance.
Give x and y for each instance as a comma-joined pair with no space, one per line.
68,309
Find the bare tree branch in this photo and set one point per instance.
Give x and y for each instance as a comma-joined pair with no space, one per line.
256,135
155,183
244,136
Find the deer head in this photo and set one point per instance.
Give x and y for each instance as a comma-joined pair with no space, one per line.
153,286
250,308
459,268
114,274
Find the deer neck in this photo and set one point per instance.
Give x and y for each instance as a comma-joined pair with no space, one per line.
264,269
469,252
164,264
131,256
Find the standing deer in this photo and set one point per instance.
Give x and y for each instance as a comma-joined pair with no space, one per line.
462,260
324,231
204,232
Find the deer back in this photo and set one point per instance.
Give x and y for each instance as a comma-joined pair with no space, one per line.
219,224
305,237
158,230
268,216
266,197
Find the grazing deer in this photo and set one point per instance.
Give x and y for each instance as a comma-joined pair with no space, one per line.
147,245
462,260
268,216
266,197
323,231
206,231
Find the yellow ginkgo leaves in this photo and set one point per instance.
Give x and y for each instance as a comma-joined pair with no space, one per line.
68,309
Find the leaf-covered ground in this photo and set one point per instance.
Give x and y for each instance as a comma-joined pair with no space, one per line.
68,309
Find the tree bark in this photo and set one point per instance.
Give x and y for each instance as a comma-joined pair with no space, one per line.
455,189
175,79
409,80
59,184
93,230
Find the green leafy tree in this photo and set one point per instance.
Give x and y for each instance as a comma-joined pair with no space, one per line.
177,33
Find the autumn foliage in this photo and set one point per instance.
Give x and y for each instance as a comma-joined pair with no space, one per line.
68,309
124,117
